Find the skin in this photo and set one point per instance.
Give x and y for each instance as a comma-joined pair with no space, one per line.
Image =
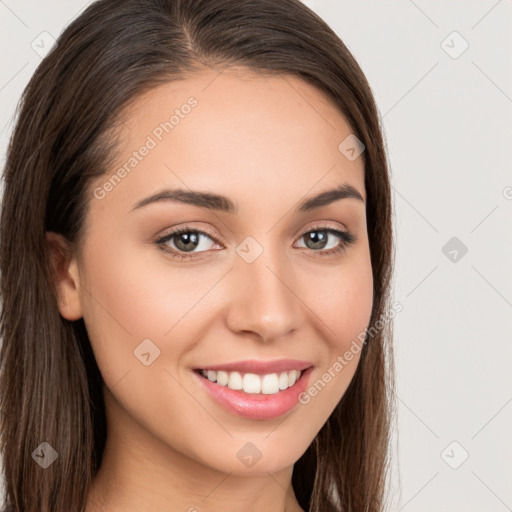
266,143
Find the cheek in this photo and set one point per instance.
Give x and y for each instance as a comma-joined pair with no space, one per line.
124,303
344,309
345,302
132,294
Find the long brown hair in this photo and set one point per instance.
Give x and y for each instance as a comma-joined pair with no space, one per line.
50,385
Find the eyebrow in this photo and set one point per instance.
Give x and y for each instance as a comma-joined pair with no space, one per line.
224,204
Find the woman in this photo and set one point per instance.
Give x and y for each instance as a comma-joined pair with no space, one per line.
195,267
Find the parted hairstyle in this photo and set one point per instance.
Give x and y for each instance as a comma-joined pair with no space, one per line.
64,137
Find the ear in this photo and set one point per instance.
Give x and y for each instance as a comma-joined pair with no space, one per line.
65,276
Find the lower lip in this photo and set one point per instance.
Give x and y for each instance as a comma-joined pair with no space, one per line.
256,406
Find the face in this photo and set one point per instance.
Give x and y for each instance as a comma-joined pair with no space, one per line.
254,276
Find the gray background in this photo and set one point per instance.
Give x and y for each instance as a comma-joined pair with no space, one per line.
447,120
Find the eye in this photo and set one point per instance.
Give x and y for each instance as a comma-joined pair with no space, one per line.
322,237
187,240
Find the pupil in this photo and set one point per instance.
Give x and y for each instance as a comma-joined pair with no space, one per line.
190,241
318,239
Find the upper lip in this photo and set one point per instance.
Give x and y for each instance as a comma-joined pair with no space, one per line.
260,367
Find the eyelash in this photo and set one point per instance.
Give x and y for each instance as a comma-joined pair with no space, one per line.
347,238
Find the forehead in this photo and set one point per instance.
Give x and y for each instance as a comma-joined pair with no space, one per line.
234,130
237,89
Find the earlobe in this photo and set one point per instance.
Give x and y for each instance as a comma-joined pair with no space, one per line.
65,276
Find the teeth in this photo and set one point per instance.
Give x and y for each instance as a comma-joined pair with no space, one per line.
235,380
222,378
283,380
270,384
251,383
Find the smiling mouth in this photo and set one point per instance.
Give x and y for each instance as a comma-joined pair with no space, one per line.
252,383
256,396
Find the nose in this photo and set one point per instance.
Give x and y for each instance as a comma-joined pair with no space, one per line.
264,299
